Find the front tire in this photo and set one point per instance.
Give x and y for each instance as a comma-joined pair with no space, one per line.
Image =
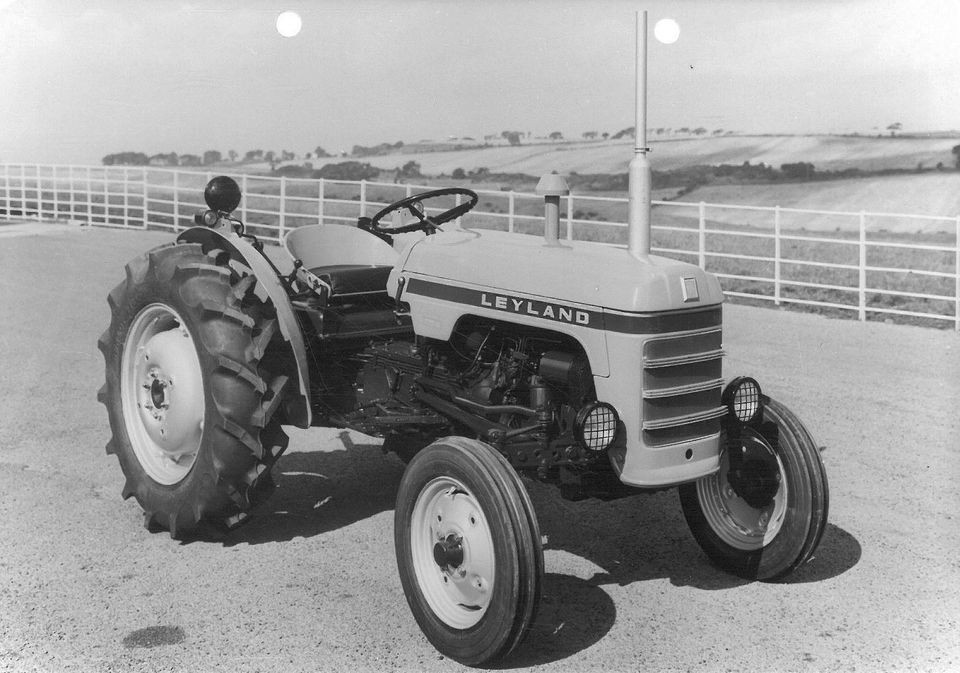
769,540
189,391
468,550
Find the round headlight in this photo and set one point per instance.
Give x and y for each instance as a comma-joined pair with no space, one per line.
596,426
742,398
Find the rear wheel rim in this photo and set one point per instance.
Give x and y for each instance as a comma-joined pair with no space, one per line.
453,553
735,522
161,391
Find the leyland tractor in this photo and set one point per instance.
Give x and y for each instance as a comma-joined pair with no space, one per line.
481,358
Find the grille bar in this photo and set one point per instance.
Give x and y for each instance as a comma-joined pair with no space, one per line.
653,363
683,390
677,421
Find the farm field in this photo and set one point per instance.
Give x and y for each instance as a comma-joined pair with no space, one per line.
867,153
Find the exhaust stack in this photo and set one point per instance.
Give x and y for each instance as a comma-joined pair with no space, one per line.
552,187
640,177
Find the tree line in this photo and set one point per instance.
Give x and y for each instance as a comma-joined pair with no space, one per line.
208,158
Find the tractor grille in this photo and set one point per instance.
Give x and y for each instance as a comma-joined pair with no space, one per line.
682,382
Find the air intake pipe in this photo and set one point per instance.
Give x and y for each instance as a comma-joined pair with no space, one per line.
638,219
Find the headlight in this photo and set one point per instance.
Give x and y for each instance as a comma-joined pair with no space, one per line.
596,426
742,398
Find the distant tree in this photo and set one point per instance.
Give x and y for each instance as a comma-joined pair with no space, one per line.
628,132
411,169
212,157
458,174
126,159
347,170
190,160
161,159
320,152
699,131
956,154
270,155
797,171
286,155
894,127
233,155
253,155
683,129
556,135
512,137
718,132
589,135
604,135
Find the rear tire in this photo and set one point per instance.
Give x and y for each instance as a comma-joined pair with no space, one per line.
767,542
468,550
191,401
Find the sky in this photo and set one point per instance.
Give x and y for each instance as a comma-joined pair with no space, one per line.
83,79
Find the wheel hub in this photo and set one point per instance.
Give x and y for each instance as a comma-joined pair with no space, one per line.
756,479
453,553
448,552
745,502
162,393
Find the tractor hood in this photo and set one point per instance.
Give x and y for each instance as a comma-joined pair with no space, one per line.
575,271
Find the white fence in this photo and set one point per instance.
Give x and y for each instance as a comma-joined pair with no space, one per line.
838,262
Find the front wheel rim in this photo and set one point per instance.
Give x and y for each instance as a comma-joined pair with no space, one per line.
161,392
737,523
452,552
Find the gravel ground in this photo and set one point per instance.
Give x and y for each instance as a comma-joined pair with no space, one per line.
311,583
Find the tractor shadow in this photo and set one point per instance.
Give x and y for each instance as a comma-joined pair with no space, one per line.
645,537
318,492
633,539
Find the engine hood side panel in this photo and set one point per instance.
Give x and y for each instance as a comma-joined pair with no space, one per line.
575,272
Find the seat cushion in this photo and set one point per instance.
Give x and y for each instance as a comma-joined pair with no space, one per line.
349,279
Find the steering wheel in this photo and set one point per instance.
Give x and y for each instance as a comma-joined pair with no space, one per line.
427,223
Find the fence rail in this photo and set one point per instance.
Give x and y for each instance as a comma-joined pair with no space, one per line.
851,263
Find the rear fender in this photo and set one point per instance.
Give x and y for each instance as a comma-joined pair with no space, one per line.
298,406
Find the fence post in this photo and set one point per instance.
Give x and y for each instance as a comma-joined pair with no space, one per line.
146,193
243,203
570,216
39,192
283,206
6,192
126,196
56,200
321,195
23,190
956,289
862,305
511,211
777,253
89,198
702,237
363,198
176,201
106,196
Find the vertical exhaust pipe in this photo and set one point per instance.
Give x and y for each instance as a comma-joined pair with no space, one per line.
552,187
640,177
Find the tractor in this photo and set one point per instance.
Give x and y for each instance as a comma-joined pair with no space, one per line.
478,356
481,358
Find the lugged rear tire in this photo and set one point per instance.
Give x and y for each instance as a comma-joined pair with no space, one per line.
195,429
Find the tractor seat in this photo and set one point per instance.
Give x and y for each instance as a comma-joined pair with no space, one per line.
348,280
